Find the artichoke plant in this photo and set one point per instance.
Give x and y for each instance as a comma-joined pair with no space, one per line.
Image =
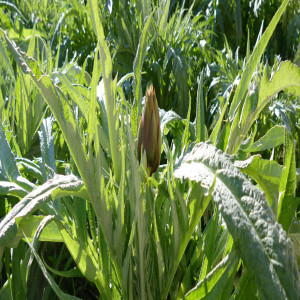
149,136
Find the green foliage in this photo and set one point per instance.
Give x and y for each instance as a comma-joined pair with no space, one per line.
81,218
233,19
267,175
249,220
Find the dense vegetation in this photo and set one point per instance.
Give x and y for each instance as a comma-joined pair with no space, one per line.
81,217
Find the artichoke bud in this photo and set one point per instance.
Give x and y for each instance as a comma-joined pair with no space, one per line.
149,137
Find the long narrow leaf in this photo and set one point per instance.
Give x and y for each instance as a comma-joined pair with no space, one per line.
287,188
50,280
273,138
211,286
106,65
11,188
137,69
185,137
47,143
200,109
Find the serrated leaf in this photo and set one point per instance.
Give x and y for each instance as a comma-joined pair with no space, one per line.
30,167
73,92
89,167
167,118
60,109
286,78
47,143
259,240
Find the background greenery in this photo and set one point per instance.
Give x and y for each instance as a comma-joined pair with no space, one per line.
80,218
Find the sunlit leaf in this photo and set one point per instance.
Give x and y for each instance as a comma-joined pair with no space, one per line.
259,240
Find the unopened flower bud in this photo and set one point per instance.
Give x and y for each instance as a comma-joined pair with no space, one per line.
149,137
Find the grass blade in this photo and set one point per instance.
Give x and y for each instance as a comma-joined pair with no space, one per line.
185,137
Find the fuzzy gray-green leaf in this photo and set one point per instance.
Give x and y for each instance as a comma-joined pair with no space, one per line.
260,241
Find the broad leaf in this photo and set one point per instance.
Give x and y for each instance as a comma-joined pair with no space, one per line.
50,232
259,240
246,288
266,173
